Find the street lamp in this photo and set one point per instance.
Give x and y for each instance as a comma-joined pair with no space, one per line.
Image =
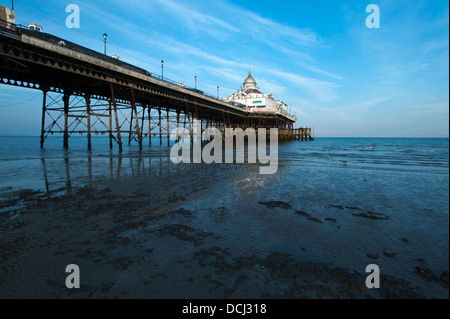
162,69
217,91
195,82
104,38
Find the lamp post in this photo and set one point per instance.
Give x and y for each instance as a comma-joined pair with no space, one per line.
217,91
162,69
195,77
104,39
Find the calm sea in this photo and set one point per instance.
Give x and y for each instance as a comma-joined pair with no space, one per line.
344,198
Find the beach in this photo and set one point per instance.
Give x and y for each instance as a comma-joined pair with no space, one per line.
139,226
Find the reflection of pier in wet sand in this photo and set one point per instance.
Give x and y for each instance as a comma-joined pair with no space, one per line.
112,168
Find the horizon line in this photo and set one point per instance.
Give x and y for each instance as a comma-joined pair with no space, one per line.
94,136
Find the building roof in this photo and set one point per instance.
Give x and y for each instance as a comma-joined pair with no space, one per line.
34,26
249,81
250,84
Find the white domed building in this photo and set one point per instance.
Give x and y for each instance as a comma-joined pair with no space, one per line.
249,96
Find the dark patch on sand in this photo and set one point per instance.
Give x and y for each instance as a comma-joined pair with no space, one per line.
122,263
181,211
389,253
276,204
185,233
320,280
426,273
280,275
372,215
337,206
214,257
373,256
14,198
173,197
368,215
308,216
423,261
443,279
331,219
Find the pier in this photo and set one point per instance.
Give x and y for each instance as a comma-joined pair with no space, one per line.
86,92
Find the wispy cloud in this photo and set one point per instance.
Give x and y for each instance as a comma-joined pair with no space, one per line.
363,106
268,28
197,20
321,90
177,47
440,108
319,71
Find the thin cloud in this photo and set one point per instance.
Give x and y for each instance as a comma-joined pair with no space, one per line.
321,90
293,35
177,47
361,106
196,19
319,71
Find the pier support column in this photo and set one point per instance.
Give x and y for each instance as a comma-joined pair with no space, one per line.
114,104
144,106
178,126
44,111
110,125
168,128
130,134
66,98
88,108
160,126
190,126
136,119
201,130
149,125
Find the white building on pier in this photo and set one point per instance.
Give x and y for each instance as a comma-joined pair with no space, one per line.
251,97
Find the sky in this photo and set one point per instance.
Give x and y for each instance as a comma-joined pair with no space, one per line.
319,57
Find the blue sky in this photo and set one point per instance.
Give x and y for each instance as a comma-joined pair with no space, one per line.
317,56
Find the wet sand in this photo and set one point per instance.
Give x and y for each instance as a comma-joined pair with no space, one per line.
132,239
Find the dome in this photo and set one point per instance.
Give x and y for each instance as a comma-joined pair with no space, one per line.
249,81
